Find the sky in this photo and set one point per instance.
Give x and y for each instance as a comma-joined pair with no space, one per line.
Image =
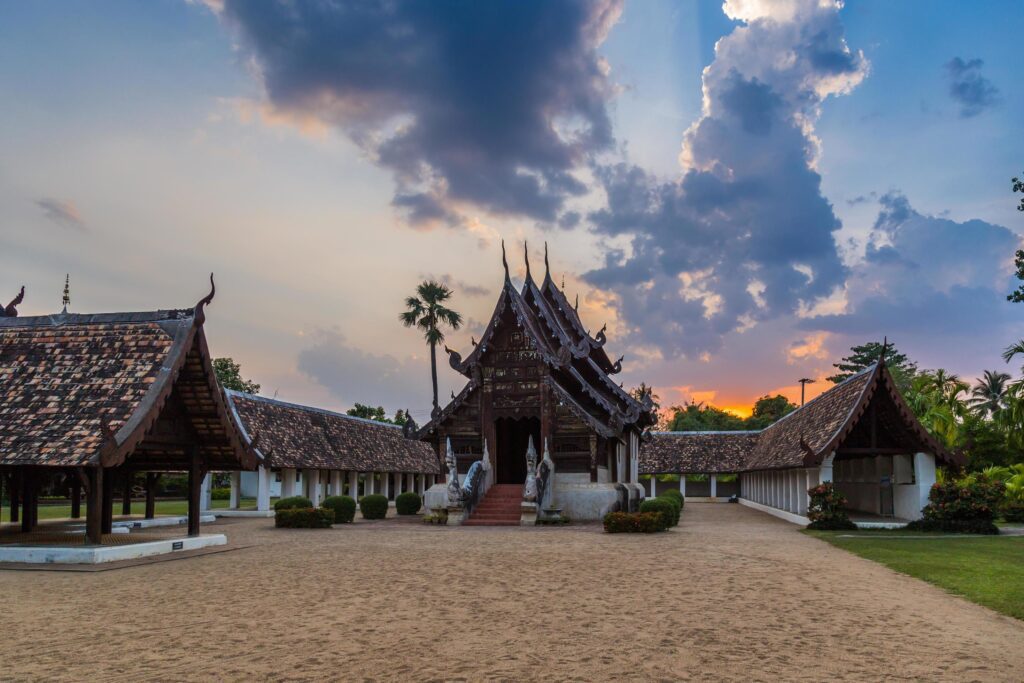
740,190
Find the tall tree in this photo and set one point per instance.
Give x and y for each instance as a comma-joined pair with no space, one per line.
1017,295
988,396
865,355
368,412
698,417
427,312
769,409
229,374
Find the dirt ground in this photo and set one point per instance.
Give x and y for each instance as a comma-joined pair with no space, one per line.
730,594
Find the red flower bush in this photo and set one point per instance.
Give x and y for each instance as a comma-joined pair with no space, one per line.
964,506
828,508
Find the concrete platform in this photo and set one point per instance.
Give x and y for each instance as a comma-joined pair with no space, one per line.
243,513
159,521
97,554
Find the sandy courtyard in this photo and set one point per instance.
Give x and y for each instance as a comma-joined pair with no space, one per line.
731,593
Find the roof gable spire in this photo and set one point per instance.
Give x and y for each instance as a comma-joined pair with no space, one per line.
11,310
526,257
504,260
547,266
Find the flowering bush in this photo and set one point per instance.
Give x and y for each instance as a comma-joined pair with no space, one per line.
966,506
827,509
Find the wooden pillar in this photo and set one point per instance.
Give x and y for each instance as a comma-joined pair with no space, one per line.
16,477
107,494
126,493
94,507
151,494
195,482
27,487
75,492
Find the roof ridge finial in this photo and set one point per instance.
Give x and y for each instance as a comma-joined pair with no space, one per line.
526,257
885,347
577,306
504,261
200,313
547,267
11,310
67,292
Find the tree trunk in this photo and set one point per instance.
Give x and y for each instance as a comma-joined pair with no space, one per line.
433,374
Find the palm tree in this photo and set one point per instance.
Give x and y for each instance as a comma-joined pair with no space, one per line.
989,393
427,312
1010,351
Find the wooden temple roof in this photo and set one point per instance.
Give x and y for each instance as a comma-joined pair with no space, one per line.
100,389
291,435
837,420
580,367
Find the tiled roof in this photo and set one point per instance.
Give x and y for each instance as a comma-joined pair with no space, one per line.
802,438
81,390
696,452
291,435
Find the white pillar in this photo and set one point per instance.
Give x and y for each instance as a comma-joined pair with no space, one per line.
714,485
263,488
335,489
205,494
353,485
287,482
825,471
313,486
370,483
422,482
236,489
652,486
386,484
924,475
410,482
682,485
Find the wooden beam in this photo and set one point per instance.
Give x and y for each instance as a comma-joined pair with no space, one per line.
27,486
75,493
151,481
126,493
873,451
107,501
195,480
16,477
94,507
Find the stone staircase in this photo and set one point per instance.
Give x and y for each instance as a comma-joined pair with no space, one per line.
500,507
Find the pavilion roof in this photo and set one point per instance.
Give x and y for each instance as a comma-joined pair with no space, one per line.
803,438
88,389
292,435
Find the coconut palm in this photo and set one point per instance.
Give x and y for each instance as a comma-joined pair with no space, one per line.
427,312
1013,350
988,396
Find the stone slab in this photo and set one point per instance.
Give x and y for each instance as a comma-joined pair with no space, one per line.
97,554
243,513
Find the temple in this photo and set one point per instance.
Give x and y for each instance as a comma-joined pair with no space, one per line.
860,434
538,377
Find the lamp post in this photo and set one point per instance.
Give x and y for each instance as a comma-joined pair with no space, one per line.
804,381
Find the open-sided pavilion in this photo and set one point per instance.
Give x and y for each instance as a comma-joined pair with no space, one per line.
97,398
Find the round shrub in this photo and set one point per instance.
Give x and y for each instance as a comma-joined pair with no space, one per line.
293,502
661,506
827,509
674,502
1013,511
374,506
633,522
966,507
344,508
675,495
408,503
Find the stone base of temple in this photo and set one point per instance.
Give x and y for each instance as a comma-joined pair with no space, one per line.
588,501
98,554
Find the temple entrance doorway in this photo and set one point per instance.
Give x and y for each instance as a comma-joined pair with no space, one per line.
513,436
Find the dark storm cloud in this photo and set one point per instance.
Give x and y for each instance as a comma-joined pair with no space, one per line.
968,88
493,104
925,276
745,234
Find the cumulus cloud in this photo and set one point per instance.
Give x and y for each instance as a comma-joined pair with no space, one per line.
352,375
929,279
969,89
492,105
62,212
457,285
745,234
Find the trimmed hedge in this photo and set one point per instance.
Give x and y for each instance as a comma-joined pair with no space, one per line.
662,506
408,503
220,493
293,502
1013,511
677,505
304,518
675,495
344,508
374,506
965,507
634,522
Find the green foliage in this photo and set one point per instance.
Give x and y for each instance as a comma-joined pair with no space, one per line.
439,517
427,312
304,518
344,508
368,413
663,506
408,503
634,522
698,417
220,493
866,355
293,502
644,391
374,506
675,495
827,509
1013,511
229,374
769,409
965,506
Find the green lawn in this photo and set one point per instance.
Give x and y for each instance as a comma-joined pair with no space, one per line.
163,507
988,570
